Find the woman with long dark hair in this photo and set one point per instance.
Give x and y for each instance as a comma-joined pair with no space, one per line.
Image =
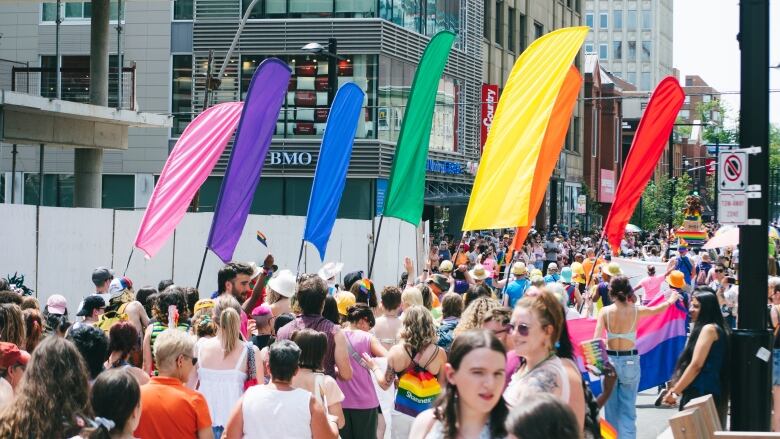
702,368
53,399
472,406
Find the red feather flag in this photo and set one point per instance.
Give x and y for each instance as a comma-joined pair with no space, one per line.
651,137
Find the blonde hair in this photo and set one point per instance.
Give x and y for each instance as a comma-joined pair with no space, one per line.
170,344
474,314
412,296
418,330
227,314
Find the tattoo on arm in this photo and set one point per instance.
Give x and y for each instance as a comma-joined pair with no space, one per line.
542,380
389,374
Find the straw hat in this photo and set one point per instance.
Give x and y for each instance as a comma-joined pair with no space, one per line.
676,279
479,272
536,272
519,269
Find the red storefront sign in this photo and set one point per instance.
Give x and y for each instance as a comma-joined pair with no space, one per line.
489,105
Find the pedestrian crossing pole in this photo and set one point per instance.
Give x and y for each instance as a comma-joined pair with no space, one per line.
751,343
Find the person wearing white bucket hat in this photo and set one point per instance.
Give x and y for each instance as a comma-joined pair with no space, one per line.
328,273
279,290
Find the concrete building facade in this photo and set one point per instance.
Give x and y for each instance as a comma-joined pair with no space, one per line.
510,26
168,43
632,38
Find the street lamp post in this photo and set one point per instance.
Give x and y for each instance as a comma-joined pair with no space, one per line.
333,58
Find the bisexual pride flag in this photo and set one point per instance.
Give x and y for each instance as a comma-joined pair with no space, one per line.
660,341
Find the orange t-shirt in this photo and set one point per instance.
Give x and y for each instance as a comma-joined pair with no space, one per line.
170,409
587,266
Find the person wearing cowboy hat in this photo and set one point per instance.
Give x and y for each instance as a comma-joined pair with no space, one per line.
608,271
552,273
479,273
518,286
459,279
328,273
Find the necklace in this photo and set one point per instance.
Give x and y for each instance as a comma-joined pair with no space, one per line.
525,373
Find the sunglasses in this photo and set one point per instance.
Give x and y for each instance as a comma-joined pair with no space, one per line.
520,328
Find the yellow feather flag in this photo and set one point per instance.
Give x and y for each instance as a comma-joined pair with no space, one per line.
501,194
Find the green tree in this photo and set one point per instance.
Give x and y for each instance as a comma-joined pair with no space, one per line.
654,208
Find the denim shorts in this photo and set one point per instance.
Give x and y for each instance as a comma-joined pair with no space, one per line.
776,367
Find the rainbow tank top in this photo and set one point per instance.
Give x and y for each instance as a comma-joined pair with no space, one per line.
417,388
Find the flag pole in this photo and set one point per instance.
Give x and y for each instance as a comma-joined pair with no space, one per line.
300,255
509,264
132,249
376,244
202,264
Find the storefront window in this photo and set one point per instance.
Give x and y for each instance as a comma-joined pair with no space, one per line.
355,8
395,81
305,110
310,8
438,14
118,192
57,189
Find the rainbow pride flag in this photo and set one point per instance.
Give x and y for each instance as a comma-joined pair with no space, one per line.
660,340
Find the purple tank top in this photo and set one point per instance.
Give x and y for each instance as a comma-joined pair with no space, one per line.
358,392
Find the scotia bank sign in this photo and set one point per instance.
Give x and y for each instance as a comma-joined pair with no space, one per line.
489,104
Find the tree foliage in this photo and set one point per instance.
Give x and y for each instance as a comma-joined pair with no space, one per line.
653,210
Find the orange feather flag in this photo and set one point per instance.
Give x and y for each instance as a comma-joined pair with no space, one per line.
554,137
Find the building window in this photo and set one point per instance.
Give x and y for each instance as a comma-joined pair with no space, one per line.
523,32
57,189
367,8
631,20
181,93
594,144
265,9
603,20
538,30
310,8
705,98
617,50
511,30
394,84
589,20
499,31
588,48
76,11
486,25
685,114
182,10
687,99
645,81
617,19
118,192
631,77
74,78
305,109
647,20
647,50
602,51
631,51
575,144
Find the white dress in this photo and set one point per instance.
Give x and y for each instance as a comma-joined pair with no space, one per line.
274,414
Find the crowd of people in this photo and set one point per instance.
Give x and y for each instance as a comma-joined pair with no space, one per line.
474,345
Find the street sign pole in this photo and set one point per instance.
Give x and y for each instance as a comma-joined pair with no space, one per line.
751,367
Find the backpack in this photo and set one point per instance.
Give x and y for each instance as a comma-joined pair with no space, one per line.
109,318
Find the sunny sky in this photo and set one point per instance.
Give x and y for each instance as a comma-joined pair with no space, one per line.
705,44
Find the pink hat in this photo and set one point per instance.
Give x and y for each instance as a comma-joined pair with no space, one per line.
57,304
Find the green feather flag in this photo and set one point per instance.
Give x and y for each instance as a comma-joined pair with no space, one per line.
406,188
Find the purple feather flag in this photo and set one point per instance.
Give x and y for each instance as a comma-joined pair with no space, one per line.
253,139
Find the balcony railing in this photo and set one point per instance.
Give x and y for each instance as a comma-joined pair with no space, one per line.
74,82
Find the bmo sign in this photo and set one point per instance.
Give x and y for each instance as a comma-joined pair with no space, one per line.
283,158
489,104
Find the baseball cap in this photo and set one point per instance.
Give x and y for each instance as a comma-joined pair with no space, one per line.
101,274
11,355
118,285
203,304
91,303
56,304
351,278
